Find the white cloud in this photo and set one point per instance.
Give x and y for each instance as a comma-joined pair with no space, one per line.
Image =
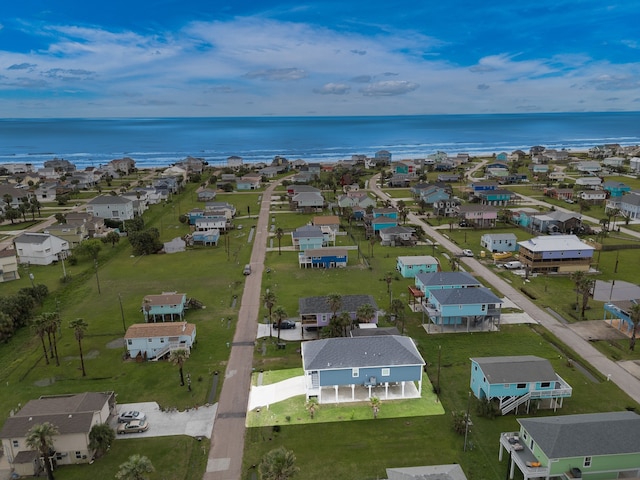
333,89
389,88
278,74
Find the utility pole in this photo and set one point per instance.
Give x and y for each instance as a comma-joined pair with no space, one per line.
124,326
95,264
466,424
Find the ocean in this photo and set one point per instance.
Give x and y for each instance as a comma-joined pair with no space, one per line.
157,142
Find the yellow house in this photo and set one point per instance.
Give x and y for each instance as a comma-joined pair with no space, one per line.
8,265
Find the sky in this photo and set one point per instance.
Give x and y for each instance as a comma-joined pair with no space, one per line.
177,58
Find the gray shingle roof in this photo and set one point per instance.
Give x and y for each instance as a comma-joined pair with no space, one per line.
465,296
109,200
431,472
309,231
34,238
360,352
586,435
447,278
350,303
516,369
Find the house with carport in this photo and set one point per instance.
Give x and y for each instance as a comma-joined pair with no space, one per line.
113,207
329,257
499,242
356,369
74,415
470,308
152,341
598,446
512,381
555,253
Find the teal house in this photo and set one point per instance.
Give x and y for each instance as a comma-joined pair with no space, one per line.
411,265
511,381
167,307
594,446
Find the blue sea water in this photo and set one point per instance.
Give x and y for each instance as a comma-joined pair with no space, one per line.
154,142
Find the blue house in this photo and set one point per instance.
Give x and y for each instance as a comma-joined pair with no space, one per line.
615,189
434,194
385,212
167,307
516,380
207,237
330,257
484,186
381,222
410,266
496,197
499,242
356,369
428,282
621,310
307,237
475,308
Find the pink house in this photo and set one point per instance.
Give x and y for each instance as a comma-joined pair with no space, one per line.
478,215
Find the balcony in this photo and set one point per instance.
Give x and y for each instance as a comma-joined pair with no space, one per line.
521,456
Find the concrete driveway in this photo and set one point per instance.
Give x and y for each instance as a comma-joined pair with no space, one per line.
194,423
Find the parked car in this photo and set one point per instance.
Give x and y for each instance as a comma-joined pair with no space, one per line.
247,270
131,415
285,324
467,253
134,426
513,265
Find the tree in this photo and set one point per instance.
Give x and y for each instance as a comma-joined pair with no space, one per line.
145,242
79,327
40,438
583,286
279,235
312,405
52,320
278,464
269,299
397,309
39,327
365,313
112,237
178,357
7,328
388,277
89,248
60,218
335,303
402,209
136,468
279,314
375,406
100,437
635,320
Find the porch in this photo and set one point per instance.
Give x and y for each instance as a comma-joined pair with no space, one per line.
361,393
521,456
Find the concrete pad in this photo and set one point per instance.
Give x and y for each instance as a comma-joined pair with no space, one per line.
218,464
596,330
196,422
516,318
264,395
631,366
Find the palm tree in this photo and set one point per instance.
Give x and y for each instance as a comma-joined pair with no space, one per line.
335,303
279,235
100,437
40,438
279,314
278,464
312,405
397,308
136,468
269,299
583,286
39,326
365,313
635,319
52,320
375,406
79,328
388,277
178,357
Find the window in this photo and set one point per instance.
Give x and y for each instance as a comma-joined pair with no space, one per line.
162,340
129,342
386,372
545,384
506,385
16,444
149,340
587,462
522,385
355,372
78,454
58,456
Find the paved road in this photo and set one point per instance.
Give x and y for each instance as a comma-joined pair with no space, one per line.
225,456
627,382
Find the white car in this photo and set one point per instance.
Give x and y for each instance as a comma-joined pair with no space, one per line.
126,417
467,253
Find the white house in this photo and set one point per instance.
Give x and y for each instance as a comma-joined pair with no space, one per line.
634,164
154,340
593,196
499,242
218,222
40,248
589,182
8,265
111,206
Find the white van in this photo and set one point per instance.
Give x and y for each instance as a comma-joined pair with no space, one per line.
247,270
513,265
